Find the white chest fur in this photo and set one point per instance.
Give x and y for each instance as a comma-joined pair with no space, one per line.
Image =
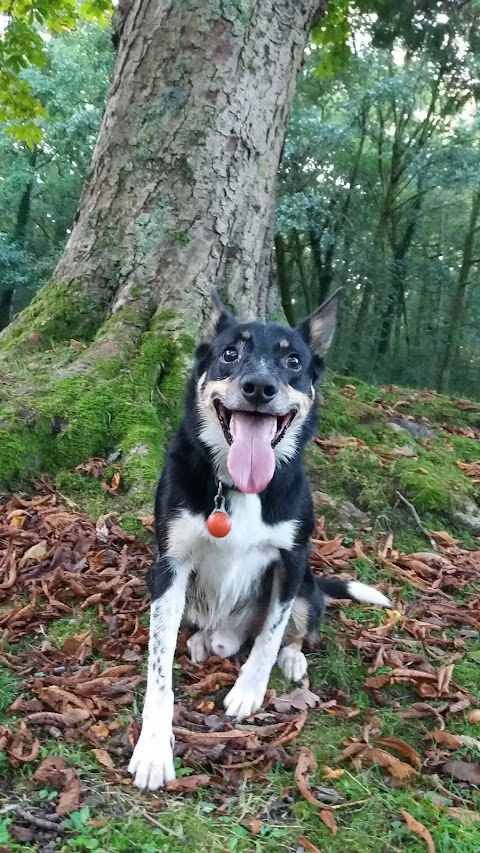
229,570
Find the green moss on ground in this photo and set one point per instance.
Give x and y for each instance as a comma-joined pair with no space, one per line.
130,409
360,475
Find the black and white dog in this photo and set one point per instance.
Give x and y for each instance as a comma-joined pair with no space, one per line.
249,414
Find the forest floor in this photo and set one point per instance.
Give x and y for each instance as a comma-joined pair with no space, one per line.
380,755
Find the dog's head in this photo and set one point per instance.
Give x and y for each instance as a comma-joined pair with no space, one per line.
256,389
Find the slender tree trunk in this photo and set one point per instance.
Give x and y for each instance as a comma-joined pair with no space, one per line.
458,301
283,279
6,299
180,197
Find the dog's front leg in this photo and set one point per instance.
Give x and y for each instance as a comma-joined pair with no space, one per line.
151,764
248,692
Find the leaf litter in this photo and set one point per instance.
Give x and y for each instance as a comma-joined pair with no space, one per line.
55,562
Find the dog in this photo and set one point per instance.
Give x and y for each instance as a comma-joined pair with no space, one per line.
237,457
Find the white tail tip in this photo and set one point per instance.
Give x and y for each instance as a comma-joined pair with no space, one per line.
368,594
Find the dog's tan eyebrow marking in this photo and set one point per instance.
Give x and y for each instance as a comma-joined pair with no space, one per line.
246,335
284,343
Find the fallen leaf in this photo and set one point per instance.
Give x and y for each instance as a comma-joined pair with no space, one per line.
254,826
328,819
444,738
306,765
401,746
115,481
35,553
463,815
392,765
50,772
419,829
331,773
298,700
463,771
70,798
103,758
188,784
307,845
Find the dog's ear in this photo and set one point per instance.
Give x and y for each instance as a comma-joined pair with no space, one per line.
318,329
219,320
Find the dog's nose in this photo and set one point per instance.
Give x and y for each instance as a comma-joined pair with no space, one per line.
258,388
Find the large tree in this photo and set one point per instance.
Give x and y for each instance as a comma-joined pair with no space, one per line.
179,198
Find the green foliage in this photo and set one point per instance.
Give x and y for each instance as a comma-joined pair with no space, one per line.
40,184
379,170
22,44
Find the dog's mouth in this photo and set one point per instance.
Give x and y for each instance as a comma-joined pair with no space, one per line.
252,437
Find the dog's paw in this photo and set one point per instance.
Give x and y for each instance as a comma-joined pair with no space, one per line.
245,697
225,643
292,662
151,764
198,647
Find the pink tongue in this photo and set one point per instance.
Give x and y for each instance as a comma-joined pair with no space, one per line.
251,460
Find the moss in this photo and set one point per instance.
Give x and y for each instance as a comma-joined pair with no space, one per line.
58,313
133,409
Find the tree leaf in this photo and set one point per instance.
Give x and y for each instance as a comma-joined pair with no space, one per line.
419,829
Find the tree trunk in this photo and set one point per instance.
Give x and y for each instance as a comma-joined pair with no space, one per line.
179,198
282,278
6,299
458,301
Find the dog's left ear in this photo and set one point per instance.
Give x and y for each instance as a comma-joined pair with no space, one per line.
319,329
219,320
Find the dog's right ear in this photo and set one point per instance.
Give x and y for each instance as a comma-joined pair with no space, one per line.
219,320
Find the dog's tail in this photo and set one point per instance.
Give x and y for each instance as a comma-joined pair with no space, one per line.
354,590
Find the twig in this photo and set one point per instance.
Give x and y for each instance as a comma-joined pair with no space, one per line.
416,516
157,823
41,822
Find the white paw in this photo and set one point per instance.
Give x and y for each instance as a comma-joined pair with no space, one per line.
225,643
199,646
292,662
151,764
245,697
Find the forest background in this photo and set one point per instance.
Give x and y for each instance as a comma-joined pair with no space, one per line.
378,190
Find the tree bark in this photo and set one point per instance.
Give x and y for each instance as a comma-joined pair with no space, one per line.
180,192
179,198
458,300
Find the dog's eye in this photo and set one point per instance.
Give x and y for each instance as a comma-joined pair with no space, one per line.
230,354
293,362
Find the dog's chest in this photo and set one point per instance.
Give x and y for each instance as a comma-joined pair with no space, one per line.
226,573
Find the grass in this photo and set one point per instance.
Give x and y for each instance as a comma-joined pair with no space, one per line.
125,820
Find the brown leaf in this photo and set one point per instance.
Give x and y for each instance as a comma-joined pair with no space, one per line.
444,738
463,771
306,765
392,765
254,826
115,481
328,819
307,845
463,815
103,758
298,700
188,784
35,553
419,829
401,746
50,772
79,647
343,712
69,800
212,682
330,773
